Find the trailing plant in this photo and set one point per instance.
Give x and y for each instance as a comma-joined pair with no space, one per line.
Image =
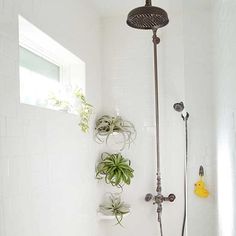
115,169
107,125
85,111
114,206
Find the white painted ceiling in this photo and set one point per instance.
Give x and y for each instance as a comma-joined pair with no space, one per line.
120,7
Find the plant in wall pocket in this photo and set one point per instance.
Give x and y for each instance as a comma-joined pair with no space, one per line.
108,125
115,169
113,206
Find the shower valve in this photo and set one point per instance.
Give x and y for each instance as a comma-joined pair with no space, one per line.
159,198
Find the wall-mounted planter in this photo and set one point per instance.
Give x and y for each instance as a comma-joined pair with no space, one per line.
109,217
113,208
106,126
114,169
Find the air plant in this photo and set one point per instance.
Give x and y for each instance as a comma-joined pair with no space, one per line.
107,125
85,111
114,206
115,169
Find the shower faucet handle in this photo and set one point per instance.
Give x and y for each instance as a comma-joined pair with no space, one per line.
148,197
160,198
171,197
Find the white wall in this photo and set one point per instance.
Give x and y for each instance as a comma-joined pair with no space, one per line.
47,182
199,91
224,77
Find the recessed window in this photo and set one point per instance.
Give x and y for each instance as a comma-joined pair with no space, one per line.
49,73
38,78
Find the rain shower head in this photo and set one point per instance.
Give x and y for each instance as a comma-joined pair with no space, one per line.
147,17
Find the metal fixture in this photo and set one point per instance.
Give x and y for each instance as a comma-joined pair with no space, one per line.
147,17
159,198
201,171
179,107
152,18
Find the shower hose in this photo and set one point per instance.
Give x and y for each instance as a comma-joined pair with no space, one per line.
185,119
161,230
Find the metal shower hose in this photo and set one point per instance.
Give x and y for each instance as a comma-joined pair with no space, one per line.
185,119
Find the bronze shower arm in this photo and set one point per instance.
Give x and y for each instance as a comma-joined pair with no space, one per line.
148,3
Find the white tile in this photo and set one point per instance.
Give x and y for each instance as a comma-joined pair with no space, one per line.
17,215
9,47
27,112
16,127
35,145
13,146
36,127
4,174
40,173
8,65
16,176
2,220
41,213
8,106
2,126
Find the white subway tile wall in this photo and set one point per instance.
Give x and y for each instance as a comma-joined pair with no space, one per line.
47,184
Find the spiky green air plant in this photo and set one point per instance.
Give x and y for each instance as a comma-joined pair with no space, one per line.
115,169
85,111
107,125
115,207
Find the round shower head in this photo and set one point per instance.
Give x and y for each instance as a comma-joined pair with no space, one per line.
147,17
179,106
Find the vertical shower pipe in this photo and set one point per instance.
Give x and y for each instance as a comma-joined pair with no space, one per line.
156,41
159,198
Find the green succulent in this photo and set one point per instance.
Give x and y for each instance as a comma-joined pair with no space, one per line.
107,125
115,207
115,169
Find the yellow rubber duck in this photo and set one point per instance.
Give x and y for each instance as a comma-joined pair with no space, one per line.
200,189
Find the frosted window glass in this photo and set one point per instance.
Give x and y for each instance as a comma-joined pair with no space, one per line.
38,78
39,65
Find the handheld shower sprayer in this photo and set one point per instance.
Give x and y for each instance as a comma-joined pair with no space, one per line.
179,107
